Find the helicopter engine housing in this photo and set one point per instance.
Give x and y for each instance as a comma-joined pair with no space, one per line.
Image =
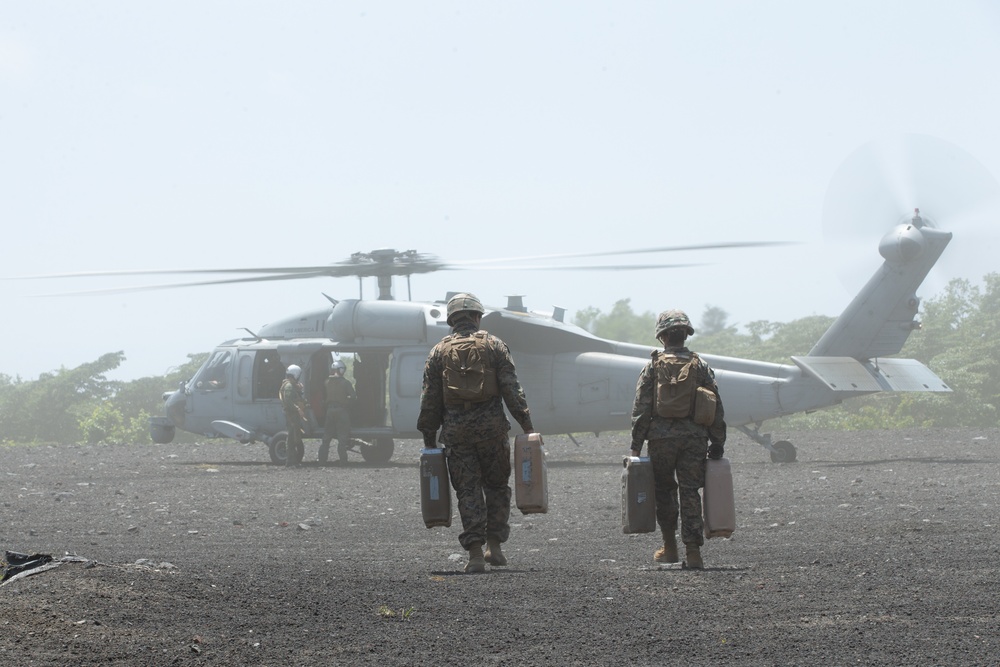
355,321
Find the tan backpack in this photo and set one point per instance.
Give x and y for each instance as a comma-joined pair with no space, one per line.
469,376
677,394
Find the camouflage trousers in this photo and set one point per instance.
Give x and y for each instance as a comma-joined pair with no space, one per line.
480,472
679,464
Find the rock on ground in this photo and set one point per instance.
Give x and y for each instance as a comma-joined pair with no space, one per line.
875,548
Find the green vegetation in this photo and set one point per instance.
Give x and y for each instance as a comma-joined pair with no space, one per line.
81,405
958,341
387,612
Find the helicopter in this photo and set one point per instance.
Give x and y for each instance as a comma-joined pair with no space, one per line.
575,381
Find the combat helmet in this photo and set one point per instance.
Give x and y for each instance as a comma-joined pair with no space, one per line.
671,319
464,302
338,365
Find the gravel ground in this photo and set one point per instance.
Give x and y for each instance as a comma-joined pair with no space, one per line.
876,547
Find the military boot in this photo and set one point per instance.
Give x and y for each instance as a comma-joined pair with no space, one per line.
668,552
493,554
324,452
693,560
477,562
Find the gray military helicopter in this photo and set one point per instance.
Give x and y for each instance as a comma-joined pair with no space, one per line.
575,381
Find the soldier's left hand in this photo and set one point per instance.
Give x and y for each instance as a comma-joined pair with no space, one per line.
715,451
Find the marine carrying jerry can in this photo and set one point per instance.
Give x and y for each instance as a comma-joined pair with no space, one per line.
718,502
638,495
531,485
435,490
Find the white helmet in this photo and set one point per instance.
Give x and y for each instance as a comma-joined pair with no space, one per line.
294,371
338,365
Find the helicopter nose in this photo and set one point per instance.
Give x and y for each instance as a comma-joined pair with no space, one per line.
174,406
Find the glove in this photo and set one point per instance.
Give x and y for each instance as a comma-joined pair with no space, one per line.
715,450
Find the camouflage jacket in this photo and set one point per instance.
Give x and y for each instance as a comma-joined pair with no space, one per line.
482,420
647,425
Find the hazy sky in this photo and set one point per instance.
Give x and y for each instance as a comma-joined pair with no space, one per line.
138,135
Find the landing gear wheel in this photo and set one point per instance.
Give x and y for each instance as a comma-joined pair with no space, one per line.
277,448
162,434
783,452
378,452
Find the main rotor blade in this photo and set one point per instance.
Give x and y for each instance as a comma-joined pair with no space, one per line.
287,272
146,288
580,267
297,276
635,251
388,262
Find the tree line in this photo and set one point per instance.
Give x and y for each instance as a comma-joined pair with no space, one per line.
957,341
81,405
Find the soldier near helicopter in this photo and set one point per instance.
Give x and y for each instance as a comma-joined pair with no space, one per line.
340,396
293,401
678,410
468,377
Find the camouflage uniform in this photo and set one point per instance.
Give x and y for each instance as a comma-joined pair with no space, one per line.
339,396
294,405
677,450
476,439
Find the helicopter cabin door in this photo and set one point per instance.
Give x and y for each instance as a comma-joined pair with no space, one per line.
258,378
406,377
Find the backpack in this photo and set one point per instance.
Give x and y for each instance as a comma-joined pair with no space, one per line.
676,380
677,394
469,377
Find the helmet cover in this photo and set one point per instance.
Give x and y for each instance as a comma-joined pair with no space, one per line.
464,302
671,319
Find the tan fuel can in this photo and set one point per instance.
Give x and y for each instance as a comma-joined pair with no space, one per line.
531,484
718,501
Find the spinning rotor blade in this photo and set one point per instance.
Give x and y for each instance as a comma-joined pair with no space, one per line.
147,288
637,251
387,262
581,267
881,183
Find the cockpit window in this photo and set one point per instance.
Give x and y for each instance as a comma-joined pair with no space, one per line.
215,373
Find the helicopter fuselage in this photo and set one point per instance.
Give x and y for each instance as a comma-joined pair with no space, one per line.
574,381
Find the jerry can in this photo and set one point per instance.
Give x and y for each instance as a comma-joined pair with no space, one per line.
718,502
531,485
435,489
638,495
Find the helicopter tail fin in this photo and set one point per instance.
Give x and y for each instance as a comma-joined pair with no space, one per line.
851,355
883,314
